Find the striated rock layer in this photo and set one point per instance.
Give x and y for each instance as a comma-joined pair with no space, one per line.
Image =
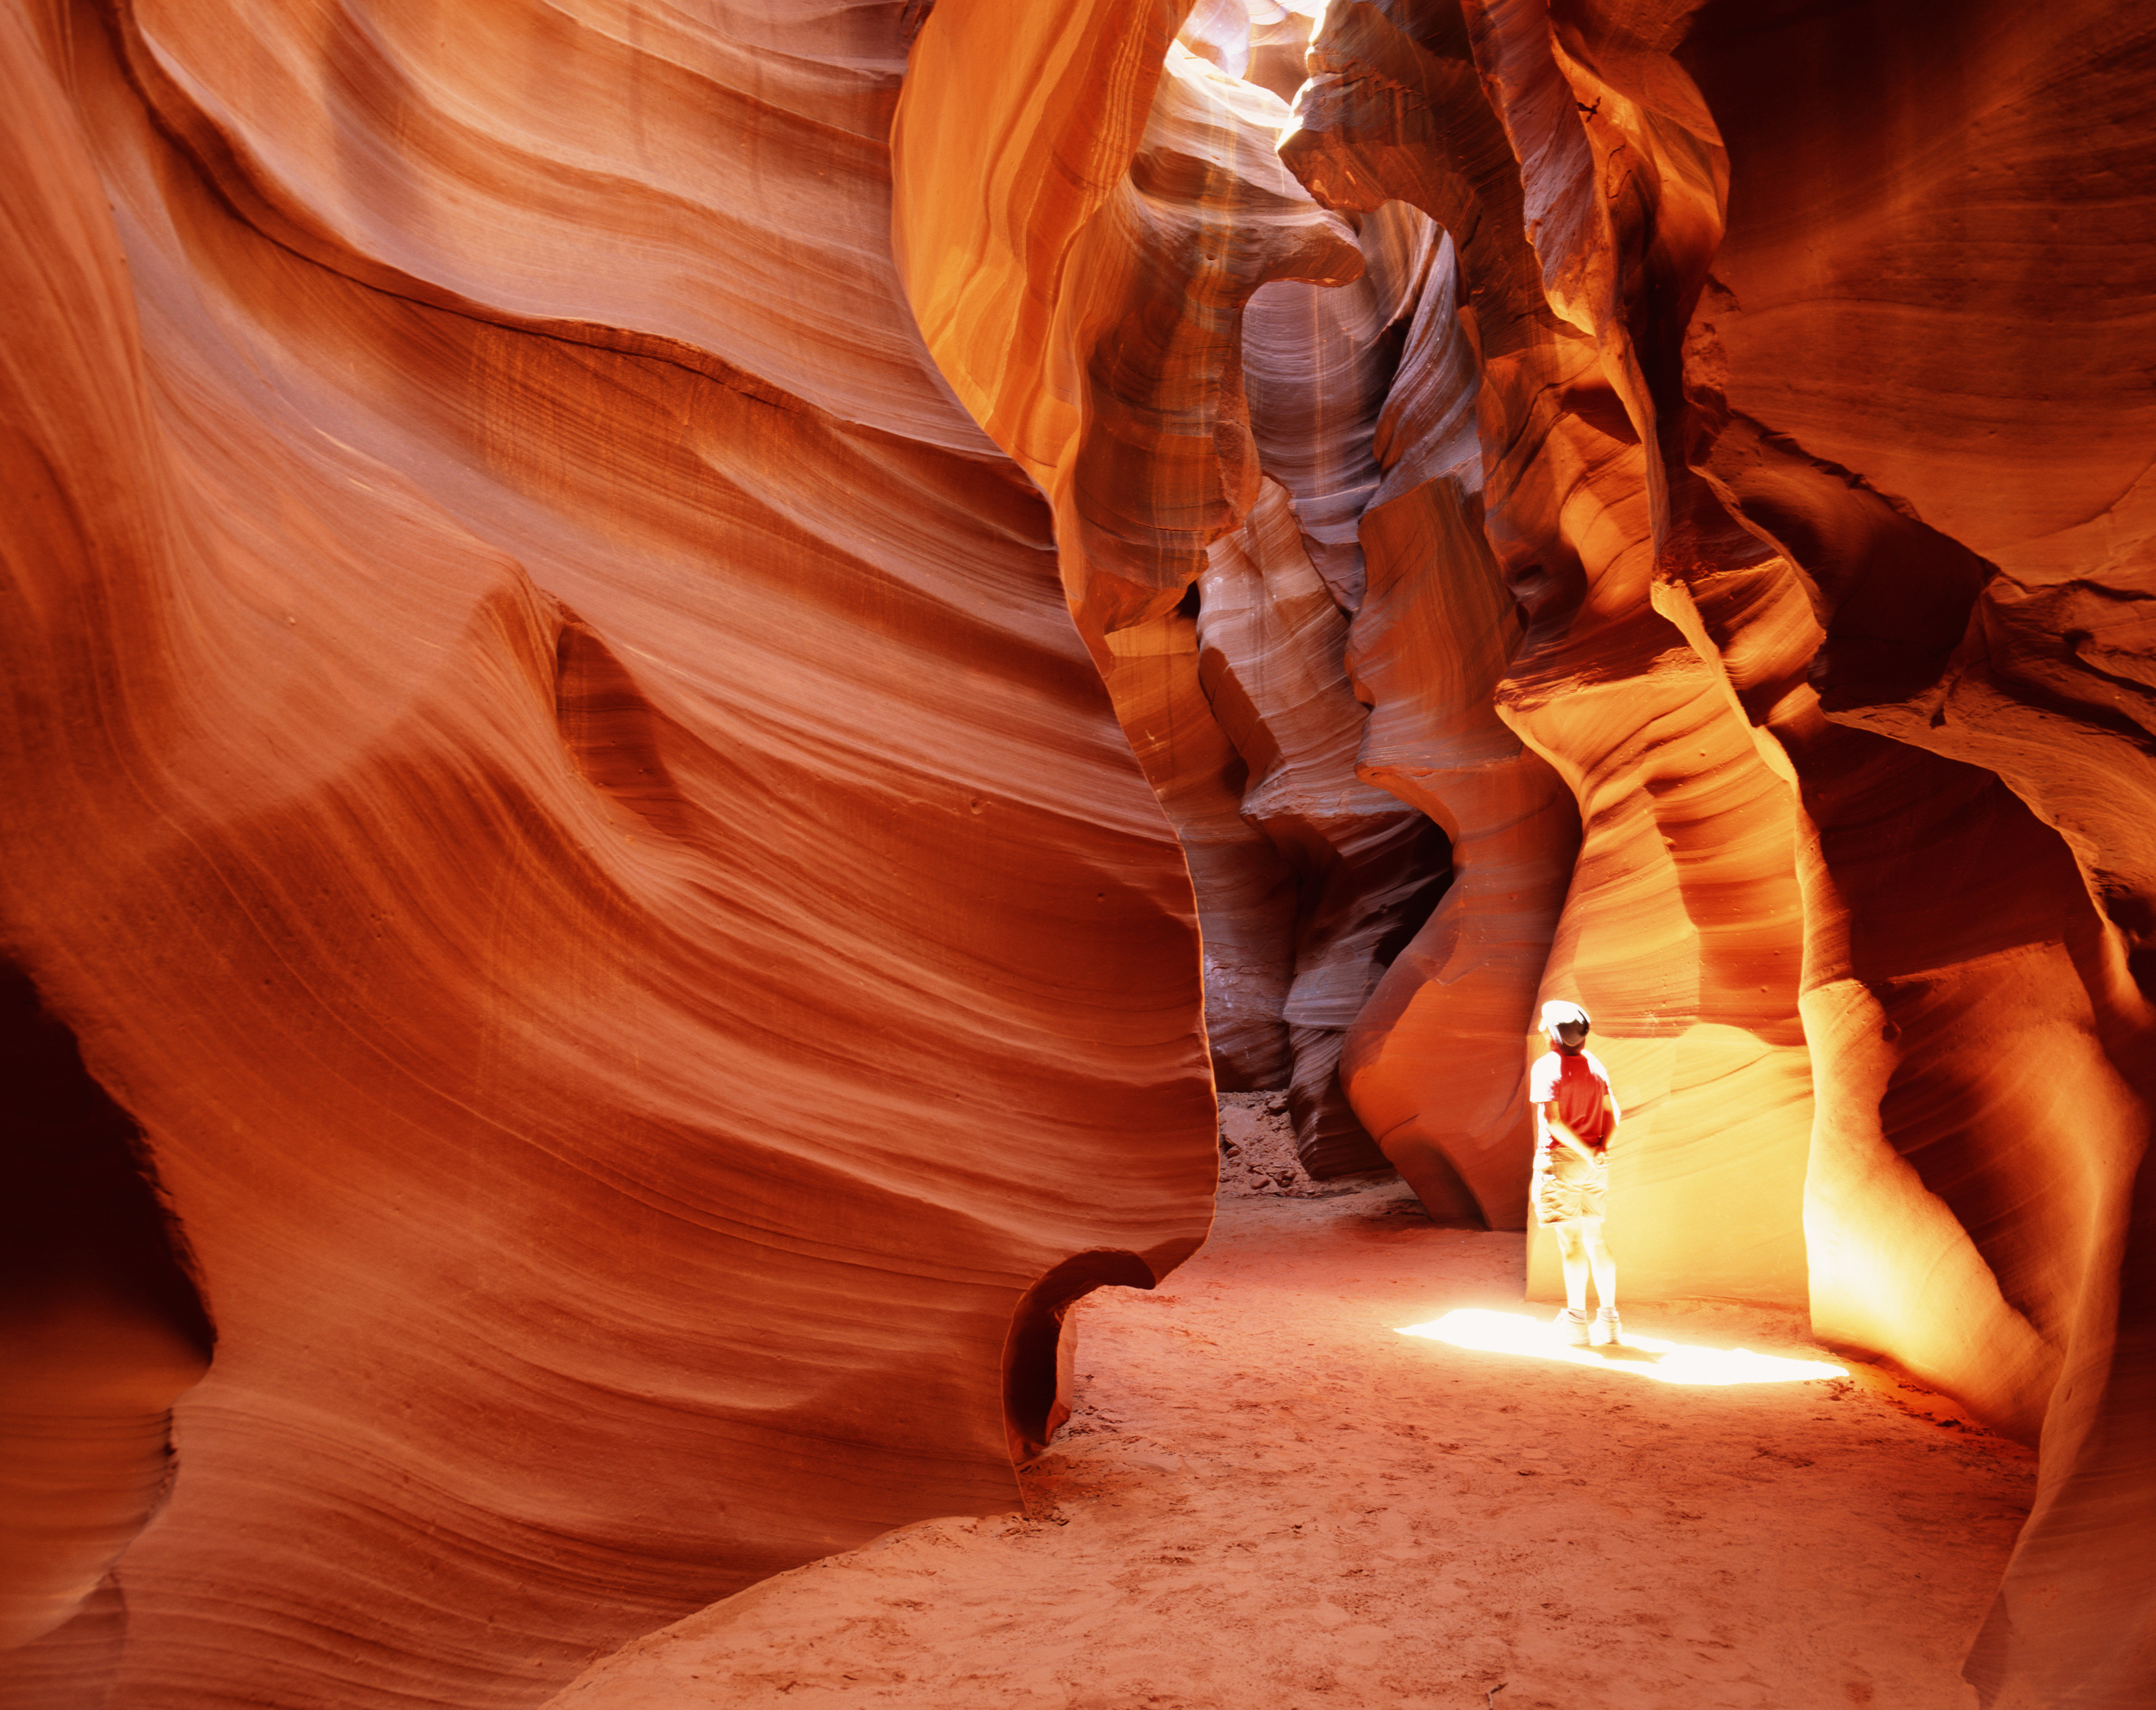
1122,292
1974,537
552,779
564,565
1748,574
1270,646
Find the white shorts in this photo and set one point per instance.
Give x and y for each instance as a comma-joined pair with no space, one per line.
1566,1188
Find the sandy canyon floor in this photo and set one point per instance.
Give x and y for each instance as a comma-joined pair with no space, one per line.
1269,1498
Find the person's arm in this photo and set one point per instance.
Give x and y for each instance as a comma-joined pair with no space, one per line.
1561,1131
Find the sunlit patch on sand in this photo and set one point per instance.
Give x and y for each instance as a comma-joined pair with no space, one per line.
1643,1356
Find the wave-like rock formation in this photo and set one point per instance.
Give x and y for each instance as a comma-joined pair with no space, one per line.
1749,577
1150,347
1271,645
551,778
632,630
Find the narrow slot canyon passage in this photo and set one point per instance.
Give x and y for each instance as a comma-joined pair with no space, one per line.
1267,1496
688,685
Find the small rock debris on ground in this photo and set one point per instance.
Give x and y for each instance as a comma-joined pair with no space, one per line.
1257,1152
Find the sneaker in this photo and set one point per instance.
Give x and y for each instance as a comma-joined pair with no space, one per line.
1607,1328
1571,1325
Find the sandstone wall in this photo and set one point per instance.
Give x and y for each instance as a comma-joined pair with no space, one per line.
1750,579
1121,293
565,817
550,775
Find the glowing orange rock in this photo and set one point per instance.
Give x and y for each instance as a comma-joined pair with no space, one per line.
553,778
1981,1050
1107,352
1692,976
1432,1062
1097,338
1246,890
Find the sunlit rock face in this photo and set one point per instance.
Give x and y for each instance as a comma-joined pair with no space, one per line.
1749,577
632,627
1157,353
1930,417
551,777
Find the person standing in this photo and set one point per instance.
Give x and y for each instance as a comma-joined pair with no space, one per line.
1576,1116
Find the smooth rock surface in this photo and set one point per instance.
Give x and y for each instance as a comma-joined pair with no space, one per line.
1737,354
553,780
632,626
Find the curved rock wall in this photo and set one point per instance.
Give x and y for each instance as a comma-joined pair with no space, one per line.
1121,293
563,784
1953,460
1750,579
1368,870
553,780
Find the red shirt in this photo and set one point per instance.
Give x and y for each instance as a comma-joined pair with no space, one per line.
1577,1084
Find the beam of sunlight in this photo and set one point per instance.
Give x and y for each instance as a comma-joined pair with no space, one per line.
1643,1356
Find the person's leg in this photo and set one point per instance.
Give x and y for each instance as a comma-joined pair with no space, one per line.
1596,1258
1571,1247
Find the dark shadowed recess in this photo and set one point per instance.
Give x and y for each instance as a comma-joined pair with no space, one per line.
1037,1358
78,1208
99,1320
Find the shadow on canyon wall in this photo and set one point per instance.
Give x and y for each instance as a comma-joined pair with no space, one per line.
664,667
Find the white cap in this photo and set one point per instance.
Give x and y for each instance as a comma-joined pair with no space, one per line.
1559,1010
